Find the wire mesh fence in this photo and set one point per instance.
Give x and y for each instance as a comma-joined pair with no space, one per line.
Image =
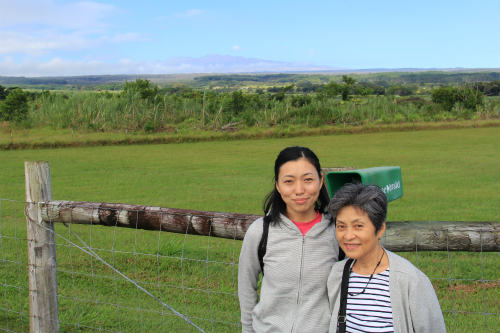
115,279
14,308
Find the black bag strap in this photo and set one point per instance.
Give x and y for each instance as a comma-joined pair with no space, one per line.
261,250
341,318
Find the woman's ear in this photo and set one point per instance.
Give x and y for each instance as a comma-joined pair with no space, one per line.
277,187
381,231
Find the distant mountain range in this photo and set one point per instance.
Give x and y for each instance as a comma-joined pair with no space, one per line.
209,64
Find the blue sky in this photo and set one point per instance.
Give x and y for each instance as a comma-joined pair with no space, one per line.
53,37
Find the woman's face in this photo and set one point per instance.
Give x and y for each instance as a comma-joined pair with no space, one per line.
299,185
356,233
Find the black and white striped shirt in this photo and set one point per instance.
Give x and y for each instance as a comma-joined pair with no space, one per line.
371,310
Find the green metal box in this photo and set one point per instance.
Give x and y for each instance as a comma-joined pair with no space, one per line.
388,178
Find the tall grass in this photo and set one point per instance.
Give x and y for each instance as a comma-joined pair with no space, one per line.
129,112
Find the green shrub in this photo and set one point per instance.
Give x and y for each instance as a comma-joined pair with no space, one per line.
144,88
445,96
3,92
236,103
15,106
470,97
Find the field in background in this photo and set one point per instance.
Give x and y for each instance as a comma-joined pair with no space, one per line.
34,138
459,167
447,175
207,107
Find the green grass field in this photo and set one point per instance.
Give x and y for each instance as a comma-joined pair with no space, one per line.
447,175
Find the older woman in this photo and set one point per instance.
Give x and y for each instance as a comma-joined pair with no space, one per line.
383,291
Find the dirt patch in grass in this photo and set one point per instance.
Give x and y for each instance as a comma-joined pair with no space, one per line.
475,287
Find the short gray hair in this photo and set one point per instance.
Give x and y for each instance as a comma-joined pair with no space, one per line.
369,198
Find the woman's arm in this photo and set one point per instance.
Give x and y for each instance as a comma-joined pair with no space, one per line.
426,313
248,274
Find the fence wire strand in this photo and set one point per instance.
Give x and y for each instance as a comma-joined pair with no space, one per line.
13,264
89,251
115,280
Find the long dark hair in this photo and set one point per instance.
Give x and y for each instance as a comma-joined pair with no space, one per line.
273,203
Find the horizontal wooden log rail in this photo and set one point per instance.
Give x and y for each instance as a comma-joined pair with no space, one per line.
224,225
409,236
399,236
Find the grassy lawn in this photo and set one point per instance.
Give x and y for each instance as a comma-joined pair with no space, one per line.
447,175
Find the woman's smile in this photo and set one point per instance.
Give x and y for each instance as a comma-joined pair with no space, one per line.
300,201
351,246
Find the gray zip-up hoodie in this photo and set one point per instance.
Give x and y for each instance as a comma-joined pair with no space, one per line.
293,295
415,307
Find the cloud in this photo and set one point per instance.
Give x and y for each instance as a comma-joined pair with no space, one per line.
41,42
86,15
185,15
53,67
190,13
46,41
128,37
236,48
41,27
206,64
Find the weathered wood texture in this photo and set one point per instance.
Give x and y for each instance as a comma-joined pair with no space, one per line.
400,236
42,268
442,236
225,225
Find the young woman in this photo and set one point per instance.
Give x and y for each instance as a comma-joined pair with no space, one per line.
386,293
301,249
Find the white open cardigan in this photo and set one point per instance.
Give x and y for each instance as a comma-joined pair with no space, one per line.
415,307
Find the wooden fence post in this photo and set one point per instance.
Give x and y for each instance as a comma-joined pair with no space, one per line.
42,268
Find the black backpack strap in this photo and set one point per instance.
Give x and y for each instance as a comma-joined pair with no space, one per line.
261,251
341,318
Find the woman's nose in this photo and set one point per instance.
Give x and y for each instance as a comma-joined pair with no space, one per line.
349,234
299,188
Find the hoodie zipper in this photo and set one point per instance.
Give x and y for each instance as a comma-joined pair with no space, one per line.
299,290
